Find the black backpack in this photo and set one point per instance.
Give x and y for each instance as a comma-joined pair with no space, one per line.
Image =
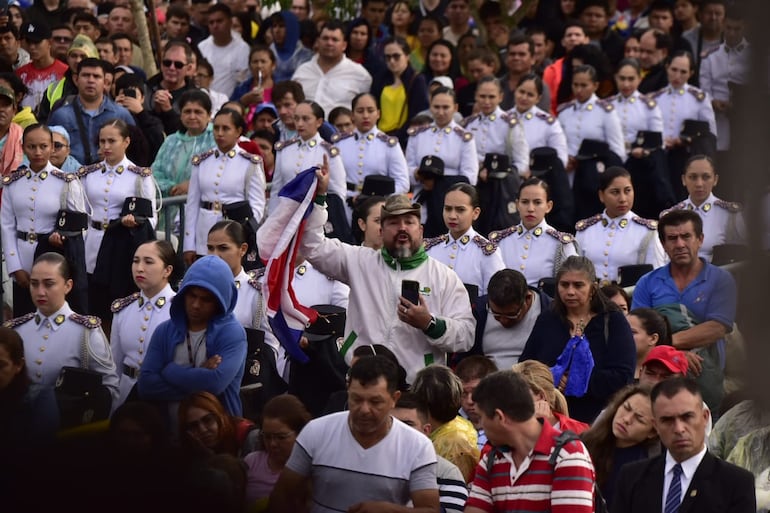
600,505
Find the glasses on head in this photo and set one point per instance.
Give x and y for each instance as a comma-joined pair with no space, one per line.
59,145
393,56
62,39
177,64
278,437
206,421
508,317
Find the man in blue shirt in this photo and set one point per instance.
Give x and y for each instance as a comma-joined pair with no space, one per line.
708,291
84,115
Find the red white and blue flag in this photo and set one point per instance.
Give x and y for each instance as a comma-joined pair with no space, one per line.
280,238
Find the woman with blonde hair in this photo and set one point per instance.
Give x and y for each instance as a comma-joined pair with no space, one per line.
550,403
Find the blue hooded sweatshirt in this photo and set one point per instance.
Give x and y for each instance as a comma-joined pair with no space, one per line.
163,380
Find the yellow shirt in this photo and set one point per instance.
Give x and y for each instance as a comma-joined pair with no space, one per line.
456,441
393,106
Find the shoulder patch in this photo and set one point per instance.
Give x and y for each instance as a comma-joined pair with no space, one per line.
86,170
470,119
18,321
15,175
713,50
731,206
120,304
612,98
697,93
89,321
435,241
563,237
466,136
387,139
411,132
61,175
197,159
509,118
604,104
650,224
546,117
564,106
330,148
657,93
678,206
487,247
649,101
340,137
589,221
254,159
141,171
498,235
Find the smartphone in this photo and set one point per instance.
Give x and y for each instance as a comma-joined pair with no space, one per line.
259,79
131,92
410,289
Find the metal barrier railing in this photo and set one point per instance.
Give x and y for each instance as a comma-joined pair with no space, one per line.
167,215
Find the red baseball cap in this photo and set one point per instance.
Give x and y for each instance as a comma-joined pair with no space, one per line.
673,359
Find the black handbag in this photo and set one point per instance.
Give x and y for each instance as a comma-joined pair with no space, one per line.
81,397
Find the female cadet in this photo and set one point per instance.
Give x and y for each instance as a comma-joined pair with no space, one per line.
33,199
540,128
589,123
226,182
533,247
369,151
495,131
135,317
618,237
642,124
678,103
471,256
54,335
444,139
307,150
722,220
113,186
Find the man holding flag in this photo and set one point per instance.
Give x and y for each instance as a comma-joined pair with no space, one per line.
418,333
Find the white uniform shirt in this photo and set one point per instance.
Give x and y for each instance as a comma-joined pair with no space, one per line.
500,132
593,119
678,104
636,113
314,288
295,155
535,253
221,179
452,144
372,153
723,223
612,243
107,187
57,341
335,88
474,258
230,63
31,202
133,323
542,130
720,67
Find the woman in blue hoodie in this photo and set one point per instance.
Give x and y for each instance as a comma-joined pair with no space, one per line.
287,47
202,347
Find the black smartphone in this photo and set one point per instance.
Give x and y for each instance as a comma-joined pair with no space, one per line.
131,92
410,289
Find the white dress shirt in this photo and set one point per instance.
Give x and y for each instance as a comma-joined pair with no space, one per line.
637,113
541,129
678,104
593,119
451,143
372,153
689,466
499,132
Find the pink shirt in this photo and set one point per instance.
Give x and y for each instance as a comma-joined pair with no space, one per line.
261,479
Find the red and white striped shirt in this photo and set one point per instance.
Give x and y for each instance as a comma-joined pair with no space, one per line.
566,487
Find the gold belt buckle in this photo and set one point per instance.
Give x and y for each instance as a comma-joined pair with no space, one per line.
105,225
216,206
359,187
32,237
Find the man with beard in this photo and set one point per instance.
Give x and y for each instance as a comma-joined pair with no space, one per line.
419,332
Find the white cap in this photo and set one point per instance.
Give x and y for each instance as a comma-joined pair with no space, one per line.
444,81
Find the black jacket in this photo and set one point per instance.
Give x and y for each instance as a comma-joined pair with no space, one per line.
655,79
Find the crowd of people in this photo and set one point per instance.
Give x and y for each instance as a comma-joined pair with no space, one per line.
510,241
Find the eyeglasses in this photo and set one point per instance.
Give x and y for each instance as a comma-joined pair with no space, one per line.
62,39
393,56
278,437
508,317
206,421
177,64
59,145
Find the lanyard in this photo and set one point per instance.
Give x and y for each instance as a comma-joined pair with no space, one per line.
190,353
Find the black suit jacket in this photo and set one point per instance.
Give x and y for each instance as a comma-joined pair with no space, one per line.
717,487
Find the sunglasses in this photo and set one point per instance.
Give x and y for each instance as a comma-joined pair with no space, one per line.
393,56
177,64
59,145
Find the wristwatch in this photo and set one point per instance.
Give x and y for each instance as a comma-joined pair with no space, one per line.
431,324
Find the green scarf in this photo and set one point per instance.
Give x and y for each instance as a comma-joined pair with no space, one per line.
411,262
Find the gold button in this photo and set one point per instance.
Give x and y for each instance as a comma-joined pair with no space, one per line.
39,362
45,337
146,318
39,375
521,267
144,328
42,349
526,246
141,339
523,257
141,351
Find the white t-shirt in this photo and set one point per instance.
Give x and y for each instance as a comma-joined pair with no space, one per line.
230,63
